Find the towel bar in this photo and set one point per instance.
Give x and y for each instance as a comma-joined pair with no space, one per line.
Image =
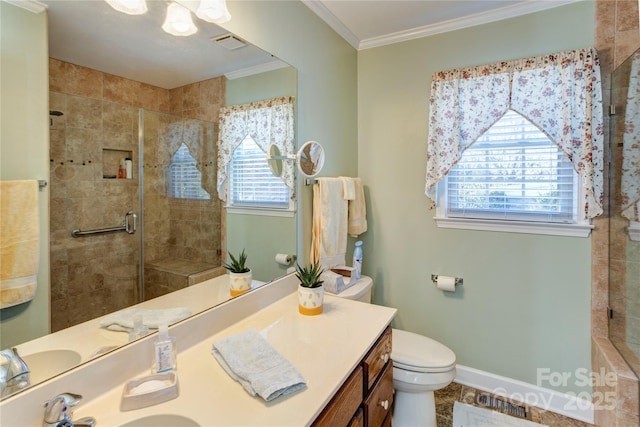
125,227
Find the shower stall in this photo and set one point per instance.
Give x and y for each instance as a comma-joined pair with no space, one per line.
170,138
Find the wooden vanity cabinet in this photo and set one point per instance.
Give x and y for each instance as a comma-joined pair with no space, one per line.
366,397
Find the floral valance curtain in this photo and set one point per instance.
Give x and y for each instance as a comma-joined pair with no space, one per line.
559,93
630,176
267,122
198,136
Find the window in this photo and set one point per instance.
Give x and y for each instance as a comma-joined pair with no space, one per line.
185,180
513,172
518,145
251,183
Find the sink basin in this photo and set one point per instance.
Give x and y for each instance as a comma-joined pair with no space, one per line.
46,364
163,420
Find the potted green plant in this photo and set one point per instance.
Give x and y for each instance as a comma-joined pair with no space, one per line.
240,275
310,290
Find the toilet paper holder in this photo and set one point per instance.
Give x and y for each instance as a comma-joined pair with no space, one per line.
434,279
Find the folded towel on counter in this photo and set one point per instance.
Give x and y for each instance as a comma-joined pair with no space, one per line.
357,222
19,241
329,223
253,362
334,282
123,320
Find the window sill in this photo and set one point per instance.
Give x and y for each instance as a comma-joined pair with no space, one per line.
567,230
287,213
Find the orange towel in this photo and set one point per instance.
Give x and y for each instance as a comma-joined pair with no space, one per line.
19,241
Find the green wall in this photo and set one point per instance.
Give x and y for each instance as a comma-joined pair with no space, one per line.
525,302
262,236
24,147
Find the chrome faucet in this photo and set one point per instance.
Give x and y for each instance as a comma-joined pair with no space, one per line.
58,413
14,372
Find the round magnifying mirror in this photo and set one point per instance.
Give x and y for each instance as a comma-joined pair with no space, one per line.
310,159
274,159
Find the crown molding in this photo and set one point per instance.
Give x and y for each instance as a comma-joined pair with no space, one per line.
494,15
30,5
256,69
321,10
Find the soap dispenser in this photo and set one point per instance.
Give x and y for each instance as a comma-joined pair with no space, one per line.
164,351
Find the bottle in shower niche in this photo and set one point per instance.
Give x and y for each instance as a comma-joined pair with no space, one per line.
357,260
128,165
122,170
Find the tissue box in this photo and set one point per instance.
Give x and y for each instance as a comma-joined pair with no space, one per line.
343,270
334,282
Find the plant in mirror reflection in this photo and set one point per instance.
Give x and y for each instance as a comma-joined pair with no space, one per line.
237,265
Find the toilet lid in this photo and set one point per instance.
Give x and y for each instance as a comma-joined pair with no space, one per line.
418,353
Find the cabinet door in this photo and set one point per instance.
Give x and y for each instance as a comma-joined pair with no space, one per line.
377,358
344,403
378,404
358,419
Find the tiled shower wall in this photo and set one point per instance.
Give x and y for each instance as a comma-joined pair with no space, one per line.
617,37
95,275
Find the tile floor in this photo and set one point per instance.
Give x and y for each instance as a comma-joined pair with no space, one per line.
448,395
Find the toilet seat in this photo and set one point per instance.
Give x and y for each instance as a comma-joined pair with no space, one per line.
417,353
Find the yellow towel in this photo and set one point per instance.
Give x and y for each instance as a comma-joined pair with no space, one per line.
329,228
19,241
357,210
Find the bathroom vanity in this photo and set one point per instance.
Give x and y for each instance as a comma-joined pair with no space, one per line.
343,355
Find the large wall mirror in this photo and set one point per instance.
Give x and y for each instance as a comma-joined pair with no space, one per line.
122,88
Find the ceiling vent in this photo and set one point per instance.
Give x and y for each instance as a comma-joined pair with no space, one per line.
229,41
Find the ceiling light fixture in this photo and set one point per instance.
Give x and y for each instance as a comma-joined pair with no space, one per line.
214,11
178,21
130,7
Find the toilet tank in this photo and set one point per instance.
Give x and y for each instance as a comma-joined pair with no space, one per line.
361,291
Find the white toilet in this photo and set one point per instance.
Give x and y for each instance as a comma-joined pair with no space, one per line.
420,366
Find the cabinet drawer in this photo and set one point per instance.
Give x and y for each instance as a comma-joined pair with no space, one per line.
377,358
378,404
344,403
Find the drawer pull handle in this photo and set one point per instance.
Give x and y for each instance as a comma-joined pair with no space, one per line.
385,357
385,404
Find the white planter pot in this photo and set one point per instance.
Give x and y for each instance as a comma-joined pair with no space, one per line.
239,283
310,300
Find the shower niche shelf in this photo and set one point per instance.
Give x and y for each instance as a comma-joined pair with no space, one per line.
111,161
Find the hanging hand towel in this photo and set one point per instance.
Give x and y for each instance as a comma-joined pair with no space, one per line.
253,362
348,188
122,321
19,241
357,210
329,228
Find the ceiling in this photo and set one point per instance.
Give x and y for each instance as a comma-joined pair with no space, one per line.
92,34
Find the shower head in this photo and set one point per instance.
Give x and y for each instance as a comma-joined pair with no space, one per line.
54,113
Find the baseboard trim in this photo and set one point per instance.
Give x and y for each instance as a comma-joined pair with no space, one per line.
533,395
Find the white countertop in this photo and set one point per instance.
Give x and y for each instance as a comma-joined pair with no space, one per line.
324,348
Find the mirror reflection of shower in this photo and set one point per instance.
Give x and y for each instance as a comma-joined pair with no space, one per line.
179,237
